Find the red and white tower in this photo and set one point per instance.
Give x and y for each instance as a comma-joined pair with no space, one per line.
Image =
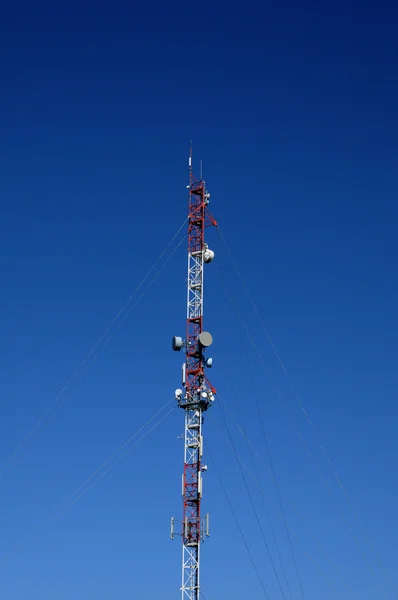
197,393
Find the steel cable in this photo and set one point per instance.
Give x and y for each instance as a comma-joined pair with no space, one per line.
281,516
304,411
256,515
299,434
237,522
83,488
88,361
271,462
276,510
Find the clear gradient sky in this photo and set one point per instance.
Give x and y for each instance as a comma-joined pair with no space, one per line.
293,109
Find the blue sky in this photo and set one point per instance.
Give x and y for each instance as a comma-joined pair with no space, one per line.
293,109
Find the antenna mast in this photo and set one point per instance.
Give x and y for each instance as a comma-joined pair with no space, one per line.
197,393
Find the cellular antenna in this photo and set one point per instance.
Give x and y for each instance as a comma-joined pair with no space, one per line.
190,163
197,394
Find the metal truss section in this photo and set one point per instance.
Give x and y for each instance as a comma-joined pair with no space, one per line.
195,285
190,562
192,492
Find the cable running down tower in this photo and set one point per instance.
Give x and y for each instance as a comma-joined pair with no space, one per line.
197,393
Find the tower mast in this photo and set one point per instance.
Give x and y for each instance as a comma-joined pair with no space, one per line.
197,393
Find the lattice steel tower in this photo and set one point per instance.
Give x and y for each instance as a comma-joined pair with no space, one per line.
197,393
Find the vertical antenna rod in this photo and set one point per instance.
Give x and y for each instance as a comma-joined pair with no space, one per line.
197,393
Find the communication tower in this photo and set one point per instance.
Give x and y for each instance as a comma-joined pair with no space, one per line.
197,393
